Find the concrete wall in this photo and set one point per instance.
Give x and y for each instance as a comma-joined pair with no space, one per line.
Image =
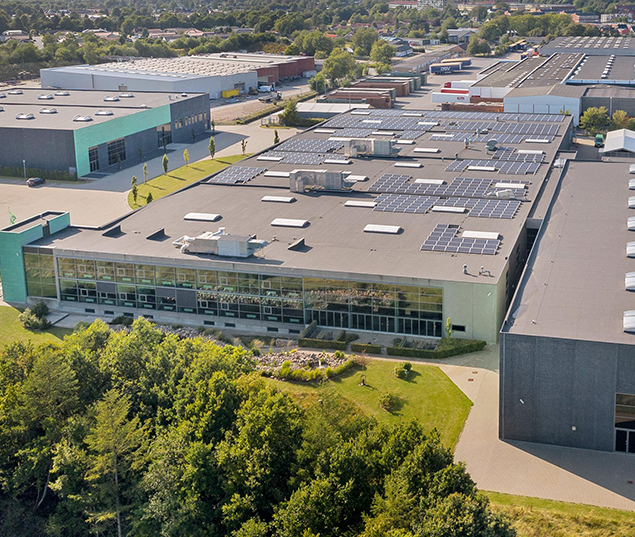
544,104
561,391
611,103
45,149
192,106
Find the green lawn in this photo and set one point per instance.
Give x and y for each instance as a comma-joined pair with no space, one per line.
12,330
179,177
534,517
428,396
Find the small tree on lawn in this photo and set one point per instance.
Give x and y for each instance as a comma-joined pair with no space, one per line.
135,193
213,127
212,147
276,137
149,199
145,172
243,145
165,161
595,120
186,156
448,328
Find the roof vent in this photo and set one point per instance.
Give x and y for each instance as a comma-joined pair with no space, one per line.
202,217
62,93
24,116
183,94
45,97
111,98
82,118
289,222
629,321
629,281
126,95
3,95
278,199
103,113
48,110
15,92
377,228
630,249
631,223
361,203
143,106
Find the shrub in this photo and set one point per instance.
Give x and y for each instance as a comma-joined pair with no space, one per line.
40,309
124,320
80,326
444,349
255,351
29,320
400,371
322,344
388,401
366,348
407,366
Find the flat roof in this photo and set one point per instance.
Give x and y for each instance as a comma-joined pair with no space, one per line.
505,74
591,45
574,286
335,239
72,103
612,68
534,71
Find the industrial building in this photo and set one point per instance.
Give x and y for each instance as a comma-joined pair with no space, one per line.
376,221
209,73
591,46
567,371
84,132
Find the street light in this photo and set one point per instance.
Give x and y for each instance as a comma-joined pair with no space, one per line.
24,167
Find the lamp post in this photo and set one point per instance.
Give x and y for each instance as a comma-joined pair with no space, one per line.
24,168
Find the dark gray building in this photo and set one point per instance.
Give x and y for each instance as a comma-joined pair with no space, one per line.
83,132
567,371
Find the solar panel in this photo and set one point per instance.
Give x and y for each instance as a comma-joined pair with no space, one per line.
400,203
304,145
236,175
444,239
503,209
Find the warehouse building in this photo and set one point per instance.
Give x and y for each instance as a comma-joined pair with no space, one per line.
591,46
378,221
567,371
210,73
84,132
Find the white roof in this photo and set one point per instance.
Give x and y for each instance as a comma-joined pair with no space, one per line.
619,140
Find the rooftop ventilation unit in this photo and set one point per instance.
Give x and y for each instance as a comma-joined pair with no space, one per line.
492,145
408,165
15,92
356,147
48,111
62,93
629,321
103,113
361,203
111,98
277,174
3,95
303,180
45,97
356,178
324,131
629,281
270,158
426,150
630,249
513,186
429,181
220,243
405,142
84,119
448,209
631,223
482,168
631,169
126,95
631,184
24,116
377,228
481,235
202,217
278,199
536,140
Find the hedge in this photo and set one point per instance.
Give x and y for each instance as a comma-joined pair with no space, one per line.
446,350
309,375
322,344
366,348
50,175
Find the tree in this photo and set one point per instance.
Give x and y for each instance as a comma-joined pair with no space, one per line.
318,83
149,198
145,172
213,126
290,115
113,443
381,52
363,39
276,137
243,146
630,124
339,64
479,13
478,46
135,193
165,161
186,156
212,147
619,120
594,120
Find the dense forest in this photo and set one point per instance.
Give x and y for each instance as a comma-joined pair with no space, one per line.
141,433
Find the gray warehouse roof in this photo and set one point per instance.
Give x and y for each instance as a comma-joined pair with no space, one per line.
62,110
335,238
594,46
574,287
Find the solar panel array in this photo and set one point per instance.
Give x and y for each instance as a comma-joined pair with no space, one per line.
505,167
305,159
236,175
411,135
465,187
304,145
499,137
504,209
530,129
508,153
444,239
400,203
482,116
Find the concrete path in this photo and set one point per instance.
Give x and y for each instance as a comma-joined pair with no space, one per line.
551,472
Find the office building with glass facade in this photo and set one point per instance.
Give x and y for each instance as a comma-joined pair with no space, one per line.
84,132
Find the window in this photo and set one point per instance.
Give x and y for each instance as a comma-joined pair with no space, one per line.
116,151
458,328
625,423
164,135
93,158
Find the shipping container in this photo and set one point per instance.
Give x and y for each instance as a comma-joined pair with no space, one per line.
465,62
230,93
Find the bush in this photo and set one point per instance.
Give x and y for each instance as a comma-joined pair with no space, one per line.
400,371
367,348
308,375
322,344
124,320
445,349
255,351
29,320
40,309
80,326
388,402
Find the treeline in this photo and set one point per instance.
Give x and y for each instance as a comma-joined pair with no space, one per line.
140,433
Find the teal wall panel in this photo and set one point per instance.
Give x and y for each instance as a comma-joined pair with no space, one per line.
118,127
59,223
